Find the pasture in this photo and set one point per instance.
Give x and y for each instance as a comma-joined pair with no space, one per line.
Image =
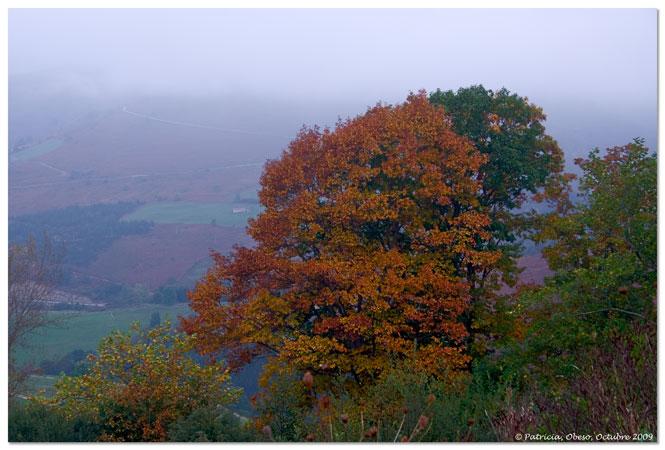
221,214
84,330
36,150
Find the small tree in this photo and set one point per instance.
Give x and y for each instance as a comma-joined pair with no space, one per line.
590,332
140,383
34,273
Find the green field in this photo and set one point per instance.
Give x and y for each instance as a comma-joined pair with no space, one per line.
83,330
40,385
195,213
36,150
250,195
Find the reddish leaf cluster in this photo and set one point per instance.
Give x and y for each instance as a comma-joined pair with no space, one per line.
362,251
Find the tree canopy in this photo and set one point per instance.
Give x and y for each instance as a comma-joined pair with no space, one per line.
361,252
522,158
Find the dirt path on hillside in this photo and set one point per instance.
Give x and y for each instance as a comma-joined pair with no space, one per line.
205,127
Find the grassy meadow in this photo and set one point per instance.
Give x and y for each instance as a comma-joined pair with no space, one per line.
194,213
37,150
84,330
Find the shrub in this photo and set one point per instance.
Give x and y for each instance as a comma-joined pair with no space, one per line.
615,389
73,363
402,405
33,422
140,382
210,425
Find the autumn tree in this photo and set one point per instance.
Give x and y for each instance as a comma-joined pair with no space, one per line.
141,382
361,253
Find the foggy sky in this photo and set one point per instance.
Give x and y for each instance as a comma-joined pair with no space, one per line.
585,55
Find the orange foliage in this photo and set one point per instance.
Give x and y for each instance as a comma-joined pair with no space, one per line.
362,252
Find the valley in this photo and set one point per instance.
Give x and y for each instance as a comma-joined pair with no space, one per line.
156,185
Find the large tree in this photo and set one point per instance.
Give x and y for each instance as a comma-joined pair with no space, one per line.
361,254
522,160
